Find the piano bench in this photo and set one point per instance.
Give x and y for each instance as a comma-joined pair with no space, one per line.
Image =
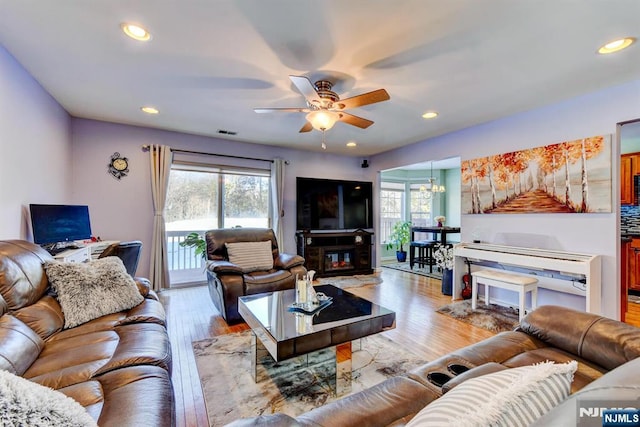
502,280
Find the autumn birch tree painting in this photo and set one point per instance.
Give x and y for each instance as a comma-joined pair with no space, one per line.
570,176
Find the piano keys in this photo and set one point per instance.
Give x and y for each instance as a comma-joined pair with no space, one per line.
582,270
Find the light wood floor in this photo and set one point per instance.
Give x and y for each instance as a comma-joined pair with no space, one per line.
191,316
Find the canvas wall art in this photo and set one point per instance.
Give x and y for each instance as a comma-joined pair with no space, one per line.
567,177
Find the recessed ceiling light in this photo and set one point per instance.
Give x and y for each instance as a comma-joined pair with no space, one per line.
430,114
351,144
150,110
135,32
617,45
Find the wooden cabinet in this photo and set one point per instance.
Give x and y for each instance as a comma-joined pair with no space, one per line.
634,265
336,253
629,167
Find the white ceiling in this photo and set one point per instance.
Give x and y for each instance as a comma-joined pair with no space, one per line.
210,63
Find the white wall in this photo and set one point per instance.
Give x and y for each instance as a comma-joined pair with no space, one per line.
123,210
35,147
588,115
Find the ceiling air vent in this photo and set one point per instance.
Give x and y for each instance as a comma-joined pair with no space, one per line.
227,132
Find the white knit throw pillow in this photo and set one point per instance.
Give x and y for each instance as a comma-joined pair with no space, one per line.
25,403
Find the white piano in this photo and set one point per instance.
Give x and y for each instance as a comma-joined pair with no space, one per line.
575,273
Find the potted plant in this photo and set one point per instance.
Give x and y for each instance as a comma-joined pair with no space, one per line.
443,255
400,236
194,240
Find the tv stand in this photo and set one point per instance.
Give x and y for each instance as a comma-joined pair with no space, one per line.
337,253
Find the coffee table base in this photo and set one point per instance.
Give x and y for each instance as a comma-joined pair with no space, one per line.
331,365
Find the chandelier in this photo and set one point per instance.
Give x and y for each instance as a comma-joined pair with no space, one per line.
432,185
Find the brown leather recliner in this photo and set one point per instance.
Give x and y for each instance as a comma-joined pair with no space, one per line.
227,281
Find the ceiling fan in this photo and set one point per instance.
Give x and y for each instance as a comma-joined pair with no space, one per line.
324,106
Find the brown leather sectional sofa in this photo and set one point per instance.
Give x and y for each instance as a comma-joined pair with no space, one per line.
606,351
117,366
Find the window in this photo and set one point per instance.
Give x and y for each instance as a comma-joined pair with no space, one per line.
420,205
202,197
421,208
391,207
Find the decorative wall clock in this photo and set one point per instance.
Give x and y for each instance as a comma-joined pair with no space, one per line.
118,166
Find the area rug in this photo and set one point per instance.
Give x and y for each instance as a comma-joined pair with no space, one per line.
493,317
224,365
422,271
354,281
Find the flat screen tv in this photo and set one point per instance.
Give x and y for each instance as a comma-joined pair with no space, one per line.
59,223
328,204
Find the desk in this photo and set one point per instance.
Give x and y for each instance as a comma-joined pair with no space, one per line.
442,231
74,255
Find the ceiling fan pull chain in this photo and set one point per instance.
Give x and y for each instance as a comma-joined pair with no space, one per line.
324,146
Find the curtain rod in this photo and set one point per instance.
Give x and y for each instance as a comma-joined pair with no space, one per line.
176,150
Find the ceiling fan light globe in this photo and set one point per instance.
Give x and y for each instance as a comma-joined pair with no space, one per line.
322,119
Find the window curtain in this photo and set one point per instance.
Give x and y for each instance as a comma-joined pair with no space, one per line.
160,157
277,194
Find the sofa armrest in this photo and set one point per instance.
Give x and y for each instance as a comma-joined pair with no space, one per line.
223,267
143,284
287,261
606,342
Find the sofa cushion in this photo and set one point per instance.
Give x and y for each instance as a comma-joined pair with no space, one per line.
585,373
513,397
83,357
20,345
251,256
23,402
89,394
275,280
22,279
73,360
44,317
87,291
137,396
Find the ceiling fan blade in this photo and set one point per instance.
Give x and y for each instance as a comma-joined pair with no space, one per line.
355,120
306,128
364,99
306,88
280,110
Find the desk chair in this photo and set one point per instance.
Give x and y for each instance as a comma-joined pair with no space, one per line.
128,252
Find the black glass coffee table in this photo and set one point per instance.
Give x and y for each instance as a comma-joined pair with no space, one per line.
301,340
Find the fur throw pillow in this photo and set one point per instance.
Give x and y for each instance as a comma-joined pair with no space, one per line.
93,289
25,403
